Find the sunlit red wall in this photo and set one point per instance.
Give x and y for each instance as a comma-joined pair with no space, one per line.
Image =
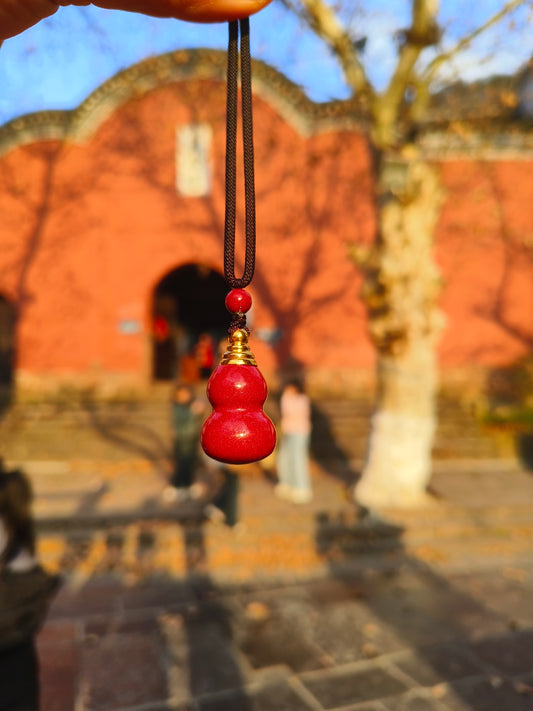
91,229
88,230
485,251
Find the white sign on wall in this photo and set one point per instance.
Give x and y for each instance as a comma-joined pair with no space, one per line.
193,159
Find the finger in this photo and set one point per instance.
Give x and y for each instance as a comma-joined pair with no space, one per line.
190,10
16,16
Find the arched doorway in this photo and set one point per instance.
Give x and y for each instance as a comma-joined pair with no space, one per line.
187,303
7,350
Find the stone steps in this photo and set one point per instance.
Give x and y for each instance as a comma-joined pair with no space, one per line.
113,430
347,425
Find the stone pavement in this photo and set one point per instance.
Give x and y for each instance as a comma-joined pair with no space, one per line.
100,518
307,607
409,640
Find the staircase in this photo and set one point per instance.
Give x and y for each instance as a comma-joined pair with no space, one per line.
142,430
341,429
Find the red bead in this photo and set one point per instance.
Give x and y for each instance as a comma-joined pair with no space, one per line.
237,431
238,301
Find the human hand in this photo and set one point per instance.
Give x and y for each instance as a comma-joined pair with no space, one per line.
18,15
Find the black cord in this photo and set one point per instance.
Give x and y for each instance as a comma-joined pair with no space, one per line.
231,155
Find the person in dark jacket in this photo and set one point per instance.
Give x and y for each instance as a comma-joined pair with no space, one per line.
187,413
26,591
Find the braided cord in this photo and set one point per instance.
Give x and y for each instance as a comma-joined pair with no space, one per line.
231,155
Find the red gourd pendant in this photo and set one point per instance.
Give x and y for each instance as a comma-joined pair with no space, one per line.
238,431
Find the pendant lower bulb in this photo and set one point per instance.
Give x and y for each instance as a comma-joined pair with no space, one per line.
238,431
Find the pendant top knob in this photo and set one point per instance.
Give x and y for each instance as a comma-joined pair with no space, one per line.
238,351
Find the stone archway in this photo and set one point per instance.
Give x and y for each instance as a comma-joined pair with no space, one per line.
187,302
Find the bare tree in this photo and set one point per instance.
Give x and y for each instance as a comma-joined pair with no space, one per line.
401,278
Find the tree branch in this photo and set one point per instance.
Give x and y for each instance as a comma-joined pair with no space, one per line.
465,41
325,23
423,32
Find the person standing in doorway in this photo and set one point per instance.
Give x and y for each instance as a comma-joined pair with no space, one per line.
205,355
188,369
293,458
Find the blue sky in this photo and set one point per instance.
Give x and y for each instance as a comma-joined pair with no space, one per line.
56,64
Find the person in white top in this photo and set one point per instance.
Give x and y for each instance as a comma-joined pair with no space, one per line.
293,458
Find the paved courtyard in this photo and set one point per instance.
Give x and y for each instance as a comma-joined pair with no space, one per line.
310,607
408,639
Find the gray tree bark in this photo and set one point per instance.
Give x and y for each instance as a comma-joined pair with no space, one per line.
401,292
402,282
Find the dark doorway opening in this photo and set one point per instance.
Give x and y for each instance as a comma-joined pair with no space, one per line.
7,351
188,304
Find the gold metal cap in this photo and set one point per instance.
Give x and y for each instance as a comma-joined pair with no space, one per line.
238,352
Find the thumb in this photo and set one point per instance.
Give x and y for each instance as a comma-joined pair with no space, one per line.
189,10
18,15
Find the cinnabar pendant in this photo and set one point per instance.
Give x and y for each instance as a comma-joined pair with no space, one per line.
238,431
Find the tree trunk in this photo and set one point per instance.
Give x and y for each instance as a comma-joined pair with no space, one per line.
401,289
398,464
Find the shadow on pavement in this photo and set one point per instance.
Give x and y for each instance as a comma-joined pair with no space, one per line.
524,446
212,655
136,636
326,448
449,651
388,634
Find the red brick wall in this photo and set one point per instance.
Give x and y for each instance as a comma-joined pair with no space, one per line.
89,230
92,228
485,250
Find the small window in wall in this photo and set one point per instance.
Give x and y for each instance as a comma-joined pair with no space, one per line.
193,159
